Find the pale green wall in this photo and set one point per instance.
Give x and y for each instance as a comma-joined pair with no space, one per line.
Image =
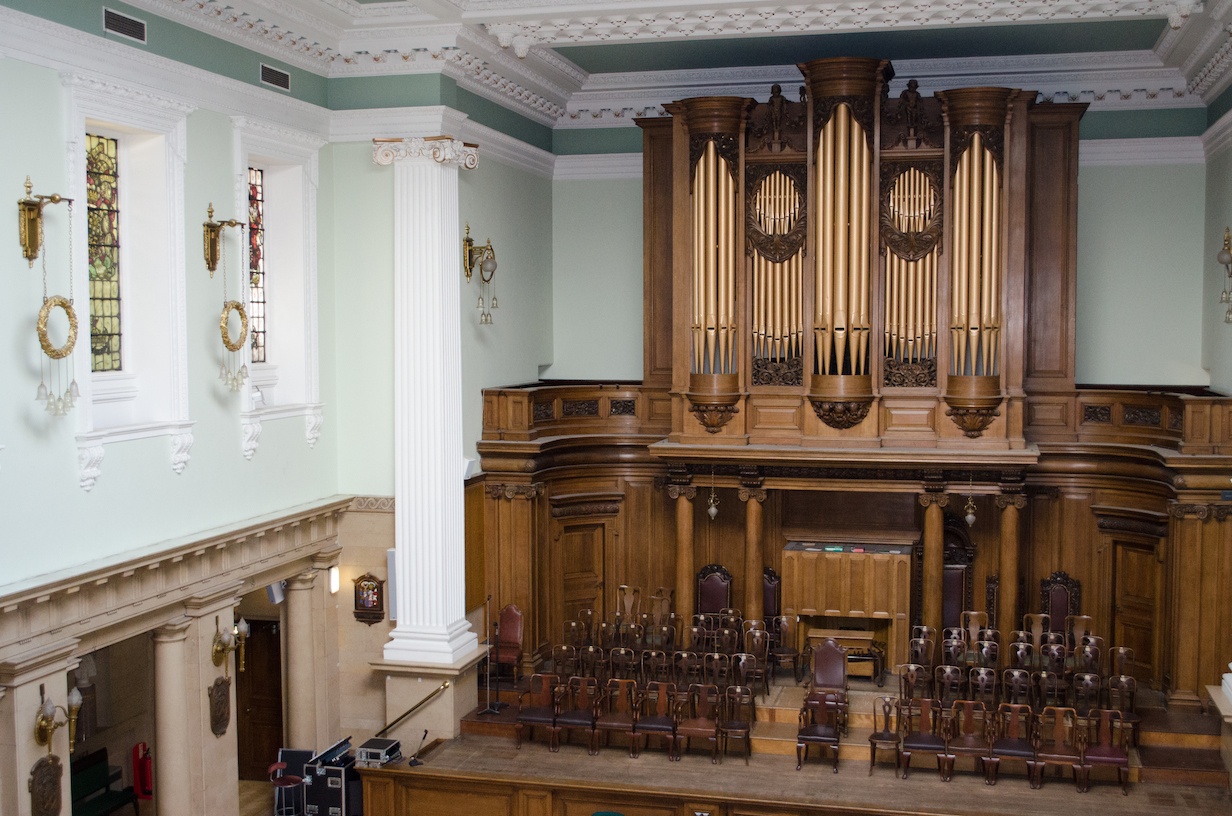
358,229
1140,245
597,280
50,522
514,209
1217,335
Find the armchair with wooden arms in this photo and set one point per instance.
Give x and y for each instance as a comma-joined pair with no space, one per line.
969,736
1058,741
656,715
819,726
922,732
537,706
828,665
1013,738
697,715
616,711
576,710
1106,738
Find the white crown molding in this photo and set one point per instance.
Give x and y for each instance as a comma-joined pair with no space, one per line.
51,45
694,21
598,166
1213,77
1141,152
1218,137
366,124
499,147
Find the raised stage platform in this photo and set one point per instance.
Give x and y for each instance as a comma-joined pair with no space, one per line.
482,772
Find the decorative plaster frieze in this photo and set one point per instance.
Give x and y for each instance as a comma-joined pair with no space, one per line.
1165,150
372,504
440,149
1216,68
475,74
845,15
598,166
106,603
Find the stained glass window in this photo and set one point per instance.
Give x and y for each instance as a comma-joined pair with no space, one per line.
103,210
256,262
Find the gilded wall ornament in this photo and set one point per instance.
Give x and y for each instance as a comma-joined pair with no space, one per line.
219,694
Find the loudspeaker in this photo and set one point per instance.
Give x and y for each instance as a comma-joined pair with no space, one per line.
274,591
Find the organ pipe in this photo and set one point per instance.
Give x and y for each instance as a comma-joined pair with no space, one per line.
976,291
714,249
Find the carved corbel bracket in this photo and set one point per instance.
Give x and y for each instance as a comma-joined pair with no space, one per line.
713,415
972,421
841,414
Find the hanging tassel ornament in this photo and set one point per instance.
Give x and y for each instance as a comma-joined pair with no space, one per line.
233,371
57,368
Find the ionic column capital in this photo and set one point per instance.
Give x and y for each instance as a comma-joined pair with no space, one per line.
1180,511
305,580
688,492
514,491
1015,500
939,499
757,494
444,150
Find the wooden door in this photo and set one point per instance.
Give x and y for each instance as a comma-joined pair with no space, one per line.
1136,583
582,551
258,700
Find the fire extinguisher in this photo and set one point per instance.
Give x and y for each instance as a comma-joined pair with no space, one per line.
143,771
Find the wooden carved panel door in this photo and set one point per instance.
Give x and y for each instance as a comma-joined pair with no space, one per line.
1136,583
582,547
258,701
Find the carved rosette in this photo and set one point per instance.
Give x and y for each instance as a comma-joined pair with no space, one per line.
440,149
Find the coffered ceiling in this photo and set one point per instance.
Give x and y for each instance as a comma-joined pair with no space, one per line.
599,63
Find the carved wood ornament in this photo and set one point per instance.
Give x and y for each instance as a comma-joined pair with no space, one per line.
219,694
44,785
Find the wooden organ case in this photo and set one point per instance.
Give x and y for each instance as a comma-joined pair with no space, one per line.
846,268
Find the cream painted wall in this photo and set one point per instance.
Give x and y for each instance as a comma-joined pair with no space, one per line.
597,280
1217,334
1140,275
514,209
138,503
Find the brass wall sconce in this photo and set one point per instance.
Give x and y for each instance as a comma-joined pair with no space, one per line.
212,233
30,220
228,641
485,258
46,724
1224,259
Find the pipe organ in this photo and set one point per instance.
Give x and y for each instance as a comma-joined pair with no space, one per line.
831,240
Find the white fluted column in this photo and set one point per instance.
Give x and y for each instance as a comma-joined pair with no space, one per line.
301,677
172,777
428,464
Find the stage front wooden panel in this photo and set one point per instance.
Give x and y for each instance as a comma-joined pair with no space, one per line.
873,587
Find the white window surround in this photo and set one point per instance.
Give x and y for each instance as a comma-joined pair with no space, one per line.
288,385
149,398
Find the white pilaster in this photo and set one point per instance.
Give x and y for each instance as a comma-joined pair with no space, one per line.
301,675
428,520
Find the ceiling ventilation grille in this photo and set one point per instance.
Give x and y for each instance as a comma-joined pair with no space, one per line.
275,77
128,27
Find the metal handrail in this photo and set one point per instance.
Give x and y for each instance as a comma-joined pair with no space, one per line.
444,685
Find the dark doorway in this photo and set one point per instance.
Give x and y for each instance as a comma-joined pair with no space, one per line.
258,699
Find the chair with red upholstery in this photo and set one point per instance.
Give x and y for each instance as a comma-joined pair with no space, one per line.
714,588
508,651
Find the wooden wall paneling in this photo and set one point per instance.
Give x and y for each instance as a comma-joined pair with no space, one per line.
1138,602
1185,574
1212,662
473,512
1052,213
657,225
532,803
515,555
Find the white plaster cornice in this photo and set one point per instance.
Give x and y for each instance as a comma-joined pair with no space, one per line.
598,166
367,124
1218,137
680,21
1140,152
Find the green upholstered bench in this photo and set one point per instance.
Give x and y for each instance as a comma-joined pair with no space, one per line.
91,787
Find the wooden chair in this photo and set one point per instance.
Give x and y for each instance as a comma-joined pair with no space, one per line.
1020,655
1016,687
1120,660
914,681
947,684
697,715
564,660
739,711
616,711
1085,692
819,725
771,595
508,651
969,726
656,665
829,676
885,736
1077,627
922,732
953,652
537,707
717,669
920,650
1086,659
628,601
575,710
656,715
714,587
986,653
1122,695
622,664
747,670
1058,741
1105,745
607,635
1060,597
973,623
785,648
925,632
1037,624
982,685
587,617
689,669
592,662
726,640
575,634
1012,738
